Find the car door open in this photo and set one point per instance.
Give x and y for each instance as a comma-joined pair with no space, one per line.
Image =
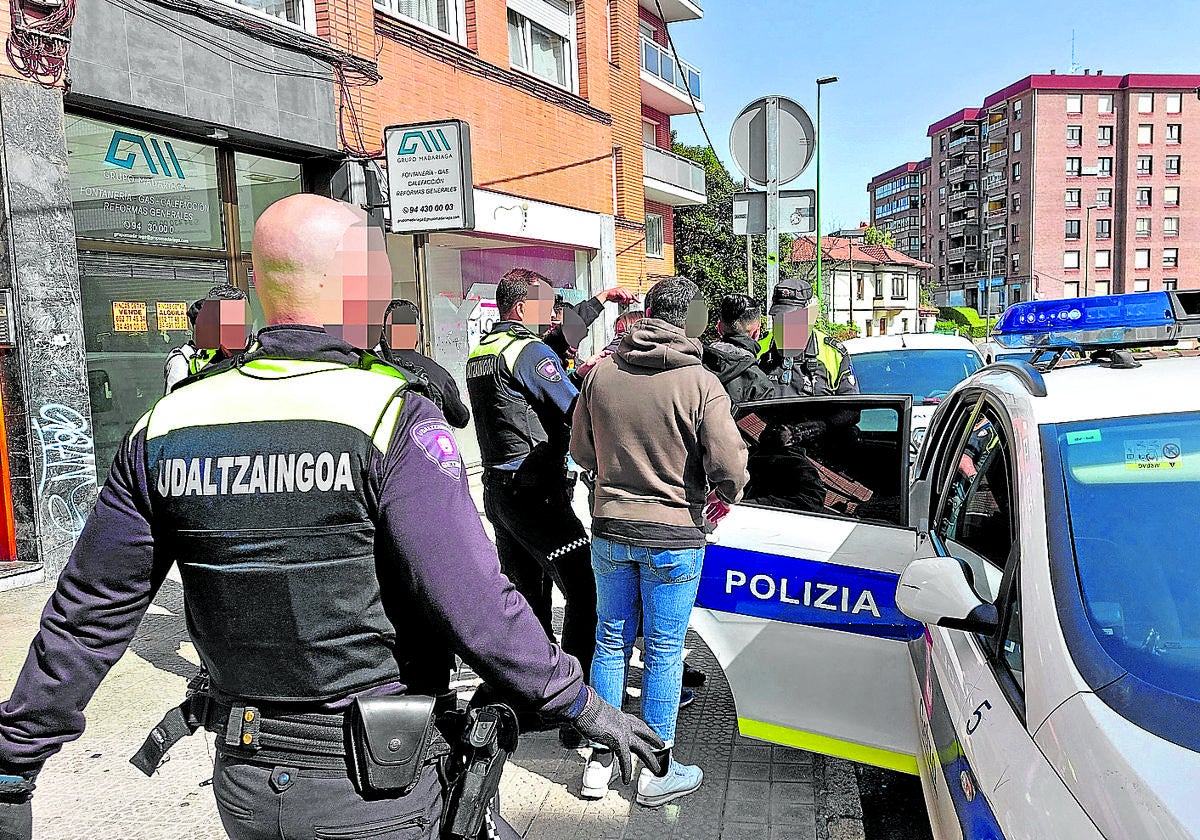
797,596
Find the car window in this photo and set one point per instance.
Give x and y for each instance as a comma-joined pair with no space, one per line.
977,522
925,375
814,457
1012,653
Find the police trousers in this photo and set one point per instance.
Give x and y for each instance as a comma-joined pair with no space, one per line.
258,802
540,540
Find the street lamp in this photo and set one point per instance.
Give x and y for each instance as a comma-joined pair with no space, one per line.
1087,245
821,82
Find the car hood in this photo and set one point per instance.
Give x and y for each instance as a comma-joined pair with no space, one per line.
1129,781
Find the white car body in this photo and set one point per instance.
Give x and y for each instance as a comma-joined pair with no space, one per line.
800,610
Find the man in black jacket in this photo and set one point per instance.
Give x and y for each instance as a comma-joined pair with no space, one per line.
398,346
733,358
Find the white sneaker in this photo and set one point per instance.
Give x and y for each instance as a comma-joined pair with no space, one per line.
598,774
680,780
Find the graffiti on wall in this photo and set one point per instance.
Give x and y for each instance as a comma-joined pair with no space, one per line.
68,479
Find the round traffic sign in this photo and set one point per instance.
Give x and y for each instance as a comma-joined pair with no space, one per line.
748,140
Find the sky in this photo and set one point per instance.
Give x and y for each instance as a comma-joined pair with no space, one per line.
905,64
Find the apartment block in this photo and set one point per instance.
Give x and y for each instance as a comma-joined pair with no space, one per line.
896,204
1065,185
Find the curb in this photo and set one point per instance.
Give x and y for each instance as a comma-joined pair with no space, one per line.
838,799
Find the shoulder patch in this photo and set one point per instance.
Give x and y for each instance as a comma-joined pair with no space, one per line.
437,442
835,344
548,369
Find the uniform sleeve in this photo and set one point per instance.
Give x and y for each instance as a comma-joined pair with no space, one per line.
454,408
724,450
847,382
540,372
101,596
450,566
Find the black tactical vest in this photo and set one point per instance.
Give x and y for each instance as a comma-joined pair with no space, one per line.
505,423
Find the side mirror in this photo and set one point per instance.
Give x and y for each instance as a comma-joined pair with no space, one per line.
936,590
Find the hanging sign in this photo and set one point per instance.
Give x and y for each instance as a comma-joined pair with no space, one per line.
172,315
430,185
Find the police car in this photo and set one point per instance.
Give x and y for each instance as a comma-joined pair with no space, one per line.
1018,620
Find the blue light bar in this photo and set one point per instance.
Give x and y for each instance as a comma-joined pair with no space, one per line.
1142,319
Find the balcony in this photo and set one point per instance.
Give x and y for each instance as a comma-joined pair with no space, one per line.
962,197
964,140
997,213
995,182
674,11
665,86
671,179
961,170
997,129
962,224
997,156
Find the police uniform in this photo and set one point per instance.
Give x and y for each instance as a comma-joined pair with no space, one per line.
823,368
522,401
188,360
293,486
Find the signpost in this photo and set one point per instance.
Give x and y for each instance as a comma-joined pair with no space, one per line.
430,185
797,212
772,142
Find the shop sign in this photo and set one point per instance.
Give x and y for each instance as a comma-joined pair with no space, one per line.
171,315
129,316
430,185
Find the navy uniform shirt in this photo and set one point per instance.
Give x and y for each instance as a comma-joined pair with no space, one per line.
445,560
805,374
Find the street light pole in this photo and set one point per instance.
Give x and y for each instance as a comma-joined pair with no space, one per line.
821,82
1087,246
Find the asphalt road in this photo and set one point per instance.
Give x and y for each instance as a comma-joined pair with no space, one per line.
893,806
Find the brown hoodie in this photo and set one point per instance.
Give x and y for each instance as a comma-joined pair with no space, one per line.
656,428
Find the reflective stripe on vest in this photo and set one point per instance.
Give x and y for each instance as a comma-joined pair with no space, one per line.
505,345
259,481
829,356
199,359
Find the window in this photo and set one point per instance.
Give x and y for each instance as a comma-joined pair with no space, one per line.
1174,133
649,133
1073,199
1016,263
1171,167
878,287
1104,135
1145,135
1074,135
1143,196
976,518
1016,171
1074,103
942,143
1171,226
1170,257
1141,284
1174,103
1102,287
1072,229
1170,284
859,283
298,13
1013,234
899,286
1074,167
654,235
1171,197
1070,259
1012,650
1071,288
1141,258
1016,141
1104,103
1145,164
1017,110
1104,167
1104,228
1016,202
442,16
942,195
1142,227
1104,197
541,40
1145,103
941,220
1104,259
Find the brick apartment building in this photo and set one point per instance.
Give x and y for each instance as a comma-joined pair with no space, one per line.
1067,185
896,198
133,172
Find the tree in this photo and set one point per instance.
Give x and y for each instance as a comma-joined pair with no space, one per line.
875,236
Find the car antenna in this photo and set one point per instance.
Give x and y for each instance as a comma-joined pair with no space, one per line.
903,346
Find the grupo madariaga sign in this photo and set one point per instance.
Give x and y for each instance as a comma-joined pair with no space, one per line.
429,177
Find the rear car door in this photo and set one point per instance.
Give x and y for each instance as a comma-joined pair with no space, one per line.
797,596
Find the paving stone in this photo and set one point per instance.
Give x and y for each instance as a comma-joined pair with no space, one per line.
750,770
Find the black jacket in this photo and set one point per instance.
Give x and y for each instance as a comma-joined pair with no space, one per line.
442,382
733,360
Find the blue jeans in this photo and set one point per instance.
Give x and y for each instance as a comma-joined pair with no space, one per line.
659,586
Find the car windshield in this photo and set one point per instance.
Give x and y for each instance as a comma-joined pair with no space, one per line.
926,375
1132,486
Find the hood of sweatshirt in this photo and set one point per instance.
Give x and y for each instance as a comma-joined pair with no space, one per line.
730,357
658,345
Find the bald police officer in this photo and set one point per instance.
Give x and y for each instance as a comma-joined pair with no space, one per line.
307,497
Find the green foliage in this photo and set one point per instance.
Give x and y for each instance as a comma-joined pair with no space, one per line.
875,236
946,327
965,319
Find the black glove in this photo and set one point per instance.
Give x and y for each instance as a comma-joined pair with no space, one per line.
16,811
621,733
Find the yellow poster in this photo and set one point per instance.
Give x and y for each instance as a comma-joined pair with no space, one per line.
171,315
129,316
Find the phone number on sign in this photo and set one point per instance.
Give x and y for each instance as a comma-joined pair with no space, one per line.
429,208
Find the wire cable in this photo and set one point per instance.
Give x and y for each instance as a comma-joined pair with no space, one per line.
679,65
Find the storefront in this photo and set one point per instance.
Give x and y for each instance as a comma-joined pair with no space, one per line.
159,220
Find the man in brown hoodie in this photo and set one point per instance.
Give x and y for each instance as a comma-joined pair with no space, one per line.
656,428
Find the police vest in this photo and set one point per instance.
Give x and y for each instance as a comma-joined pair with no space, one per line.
505,422
811,375
259,479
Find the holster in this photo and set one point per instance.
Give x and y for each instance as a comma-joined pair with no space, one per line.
389,739
489,736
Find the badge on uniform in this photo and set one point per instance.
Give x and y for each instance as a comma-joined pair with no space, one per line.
548,370
437,442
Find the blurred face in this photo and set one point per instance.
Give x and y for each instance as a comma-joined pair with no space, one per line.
403,332
537,310
793,327
221,324
697,318
358,287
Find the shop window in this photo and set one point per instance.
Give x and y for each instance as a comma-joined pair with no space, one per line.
442,16
654,235
541,39
261,182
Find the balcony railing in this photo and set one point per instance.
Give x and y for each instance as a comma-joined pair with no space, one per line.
995,182
674,171
957,171
998,155
964,140
997,128
960,223
961,197
658,62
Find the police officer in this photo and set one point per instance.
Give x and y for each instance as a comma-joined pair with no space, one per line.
189,359
803,360
306,497
522,400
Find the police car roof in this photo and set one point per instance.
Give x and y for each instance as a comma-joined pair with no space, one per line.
906,341
1165,383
